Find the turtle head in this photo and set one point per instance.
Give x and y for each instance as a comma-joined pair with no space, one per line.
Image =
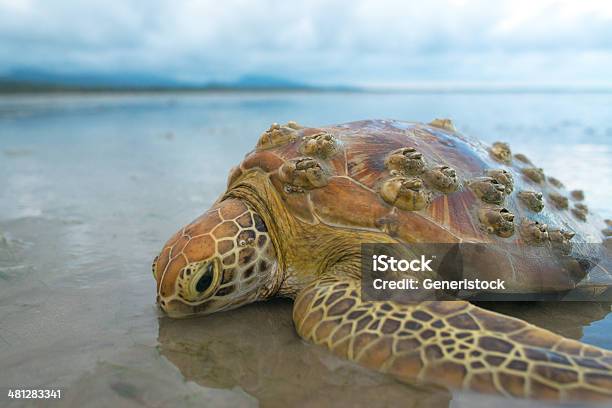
222,260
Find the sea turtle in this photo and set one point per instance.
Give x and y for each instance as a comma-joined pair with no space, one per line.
299,206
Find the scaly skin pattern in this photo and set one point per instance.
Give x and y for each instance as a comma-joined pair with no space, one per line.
451,343
298,207
239,238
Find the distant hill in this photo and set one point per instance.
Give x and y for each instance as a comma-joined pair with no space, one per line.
261,81
49,78
33,80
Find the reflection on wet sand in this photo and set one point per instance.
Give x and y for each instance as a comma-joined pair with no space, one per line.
566,318
257,349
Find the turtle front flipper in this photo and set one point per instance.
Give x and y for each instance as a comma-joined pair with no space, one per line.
451,343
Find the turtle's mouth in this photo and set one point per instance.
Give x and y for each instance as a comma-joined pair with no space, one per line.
179,310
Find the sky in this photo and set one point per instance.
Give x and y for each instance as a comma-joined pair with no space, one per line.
358,42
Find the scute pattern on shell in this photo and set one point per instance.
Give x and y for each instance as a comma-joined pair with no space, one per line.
348,189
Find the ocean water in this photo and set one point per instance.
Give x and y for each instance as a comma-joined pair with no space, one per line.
91,186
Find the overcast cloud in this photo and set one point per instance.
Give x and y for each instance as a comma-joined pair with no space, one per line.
322,42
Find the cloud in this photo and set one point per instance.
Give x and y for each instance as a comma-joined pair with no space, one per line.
359,41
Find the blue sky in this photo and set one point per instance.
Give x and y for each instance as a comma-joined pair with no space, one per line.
362,42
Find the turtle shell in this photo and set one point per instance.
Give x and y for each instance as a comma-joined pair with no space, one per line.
427,183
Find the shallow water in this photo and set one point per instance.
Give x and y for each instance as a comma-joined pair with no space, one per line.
92,186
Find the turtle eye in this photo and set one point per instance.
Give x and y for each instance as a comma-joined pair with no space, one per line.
206,279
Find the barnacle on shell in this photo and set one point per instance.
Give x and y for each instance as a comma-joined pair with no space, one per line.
560,201
504,177
534,174
577,195
580,211
446,124
442,178
532,199
501,152
405,193
278,135
302,173
534,232
497,220
488,189
320,144
405,160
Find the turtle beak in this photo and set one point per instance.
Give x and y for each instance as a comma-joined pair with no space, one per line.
176,309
